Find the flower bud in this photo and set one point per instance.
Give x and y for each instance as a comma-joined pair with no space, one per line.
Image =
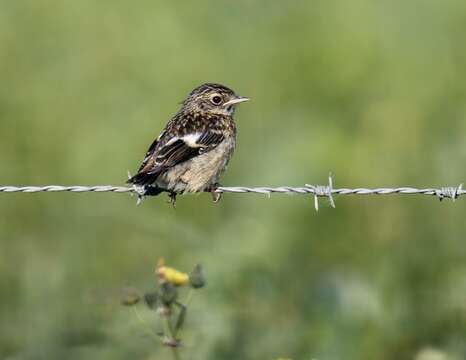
151,299
196,278
130,297
168,293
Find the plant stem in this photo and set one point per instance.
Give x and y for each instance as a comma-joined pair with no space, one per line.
144,323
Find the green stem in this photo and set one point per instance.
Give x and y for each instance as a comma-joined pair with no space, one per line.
145,324
176,354
168,325
168,329
189,297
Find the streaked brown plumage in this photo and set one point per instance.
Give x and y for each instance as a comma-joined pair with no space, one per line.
196,145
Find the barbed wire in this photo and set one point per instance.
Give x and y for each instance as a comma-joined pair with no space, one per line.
447,192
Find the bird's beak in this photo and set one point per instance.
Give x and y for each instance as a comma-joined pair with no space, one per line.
237,100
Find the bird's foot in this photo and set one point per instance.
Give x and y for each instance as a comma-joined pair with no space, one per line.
172,196
216,196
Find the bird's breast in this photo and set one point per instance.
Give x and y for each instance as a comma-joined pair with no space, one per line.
206,168
200,172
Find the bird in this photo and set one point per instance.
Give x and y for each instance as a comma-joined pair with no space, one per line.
194,148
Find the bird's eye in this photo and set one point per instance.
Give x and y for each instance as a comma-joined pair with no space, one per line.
216,100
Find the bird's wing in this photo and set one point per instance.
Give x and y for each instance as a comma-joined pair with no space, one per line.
149,153
163,155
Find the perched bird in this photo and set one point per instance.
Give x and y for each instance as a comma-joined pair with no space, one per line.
195,147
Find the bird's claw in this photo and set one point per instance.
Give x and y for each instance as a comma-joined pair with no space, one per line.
172,200
216,196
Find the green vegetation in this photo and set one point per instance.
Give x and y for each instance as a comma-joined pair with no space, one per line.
373,91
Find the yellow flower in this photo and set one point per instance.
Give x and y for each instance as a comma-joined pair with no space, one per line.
171,275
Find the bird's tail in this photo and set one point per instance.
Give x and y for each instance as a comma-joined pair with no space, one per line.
146,181
142,178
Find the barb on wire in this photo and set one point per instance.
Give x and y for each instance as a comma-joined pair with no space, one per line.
452,192
323,190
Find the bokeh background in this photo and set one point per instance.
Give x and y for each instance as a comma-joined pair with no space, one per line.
374,92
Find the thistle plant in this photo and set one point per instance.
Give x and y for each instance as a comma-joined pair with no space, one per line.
165,301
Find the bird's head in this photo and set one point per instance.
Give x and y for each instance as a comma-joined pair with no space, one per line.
214,99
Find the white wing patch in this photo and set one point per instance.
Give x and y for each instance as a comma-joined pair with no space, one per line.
171,141
191,140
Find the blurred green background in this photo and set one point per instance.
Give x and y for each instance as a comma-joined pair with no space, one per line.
373,91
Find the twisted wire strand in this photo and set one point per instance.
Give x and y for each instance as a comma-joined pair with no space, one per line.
318,190
61,188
